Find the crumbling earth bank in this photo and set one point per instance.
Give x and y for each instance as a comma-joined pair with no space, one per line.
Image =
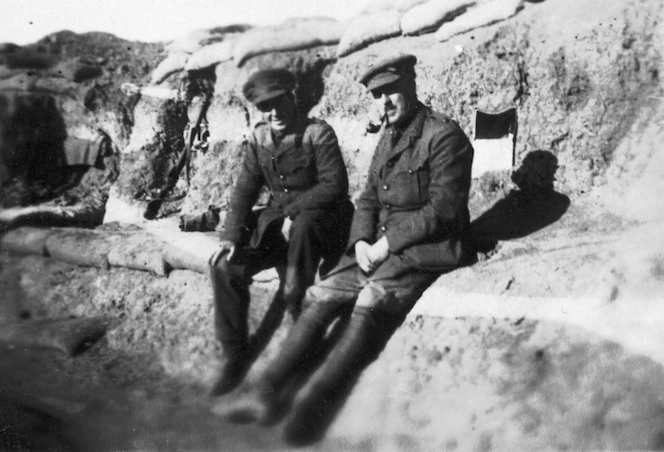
577,73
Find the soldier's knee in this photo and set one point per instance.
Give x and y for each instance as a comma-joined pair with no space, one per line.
305,223
225,267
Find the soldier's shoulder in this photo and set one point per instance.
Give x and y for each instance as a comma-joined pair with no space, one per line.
437,119
260,131
317,127
317,124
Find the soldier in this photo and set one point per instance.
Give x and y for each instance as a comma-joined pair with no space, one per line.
411,223
307,217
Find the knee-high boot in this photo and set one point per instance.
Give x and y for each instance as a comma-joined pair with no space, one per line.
317,403
268,403
231,302
301,342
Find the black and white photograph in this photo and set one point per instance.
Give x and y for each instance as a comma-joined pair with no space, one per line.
334,225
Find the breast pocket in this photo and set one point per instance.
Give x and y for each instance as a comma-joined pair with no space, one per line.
297,171
409,186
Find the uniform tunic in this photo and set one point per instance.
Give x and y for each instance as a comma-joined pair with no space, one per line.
417,196
308,183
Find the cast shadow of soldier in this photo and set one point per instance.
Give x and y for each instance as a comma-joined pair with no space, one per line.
533,206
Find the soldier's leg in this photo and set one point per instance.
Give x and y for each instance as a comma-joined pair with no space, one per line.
230,290
304,255
380,309
324,302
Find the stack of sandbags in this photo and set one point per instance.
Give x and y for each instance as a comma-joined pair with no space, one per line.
103,249
180,50
368,28
211,55
170,65
479,16
427,17
293,34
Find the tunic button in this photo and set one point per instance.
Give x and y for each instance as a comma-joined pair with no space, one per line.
282,177
385,187
285,190
410,171
383,228
388,207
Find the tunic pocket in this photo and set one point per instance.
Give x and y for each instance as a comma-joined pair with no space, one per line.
297,171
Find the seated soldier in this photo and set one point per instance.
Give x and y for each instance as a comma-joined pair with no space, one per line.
307,217
411,224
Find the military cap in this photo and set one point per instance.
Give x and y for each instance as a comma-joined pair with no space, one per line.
389,70
268,84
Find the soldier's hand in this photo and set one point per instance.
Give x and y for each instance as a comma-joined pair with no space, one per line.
225,246
361,254
285,228
378,252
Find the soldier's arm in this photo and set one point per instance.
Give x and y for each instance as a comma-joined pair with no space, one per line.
332,184
245,193
451,156
365,219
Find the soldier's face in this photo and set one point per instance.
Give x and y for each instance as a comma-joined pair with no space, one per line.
279,112
396,100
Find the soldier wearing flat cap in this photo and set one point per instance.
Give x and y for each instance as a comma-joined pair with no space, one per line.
411,224
307,218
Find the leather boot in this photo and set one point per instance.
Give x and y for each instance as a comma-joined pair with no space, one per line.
317,403
234,369
275,388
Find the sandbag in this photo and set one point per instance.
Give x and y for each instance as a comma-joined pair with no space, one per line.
67,335
171,64
192,251
139,251
479,16
390,5
188,43
367,29
80,247
26,240
197,39
428,16
211,55
293,34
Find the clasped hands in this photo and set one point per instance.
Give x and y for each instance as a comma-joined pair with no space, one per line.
369,257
